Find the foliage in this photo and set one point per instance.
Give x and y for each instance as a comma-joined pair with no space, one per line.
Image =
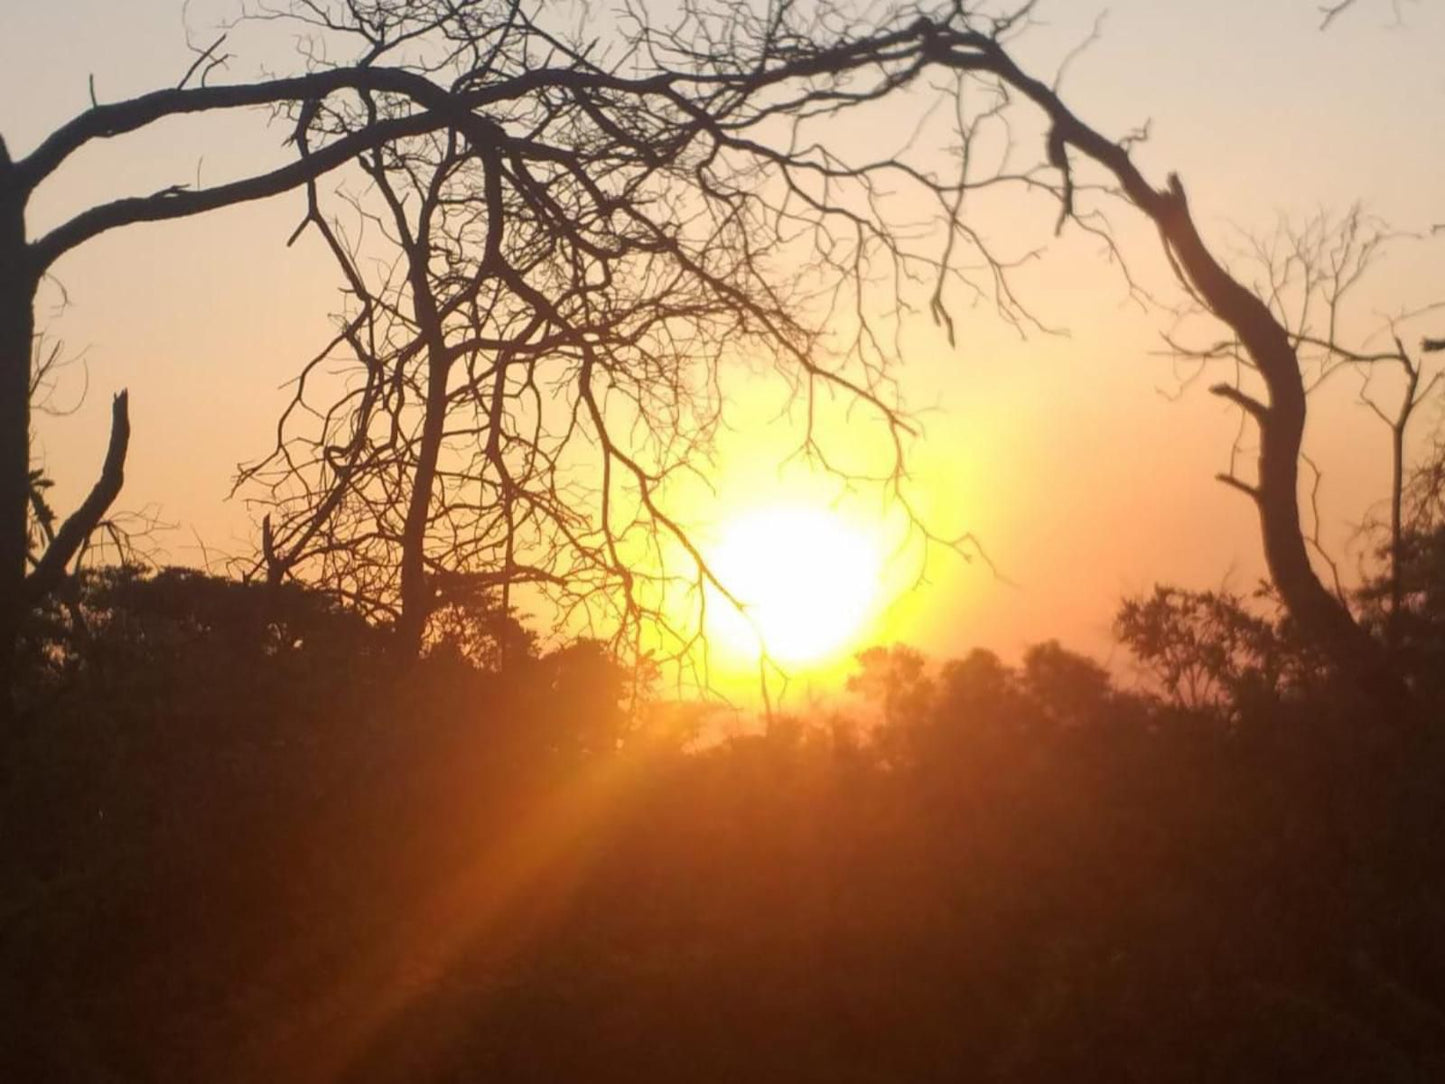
244,841
1418,625
1209,650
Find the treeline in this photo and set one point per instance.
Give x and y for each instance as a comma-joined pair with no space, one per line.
242,843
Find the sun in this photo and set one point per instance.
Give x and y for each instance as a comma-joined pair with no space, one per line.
806,577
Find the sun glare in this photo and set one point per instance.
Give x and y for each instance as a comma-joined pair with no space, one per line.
807,578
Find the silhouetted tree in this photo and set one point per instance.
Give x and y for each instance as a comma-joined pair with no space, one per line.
1072,689
979,678
630,215
25,261
696,140
1309,273
894,678
1209,650
580,258
1271,351
1409,597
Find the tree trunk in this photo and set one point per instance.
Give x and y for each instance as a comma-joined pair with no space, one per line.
1320,614
416,593
18,284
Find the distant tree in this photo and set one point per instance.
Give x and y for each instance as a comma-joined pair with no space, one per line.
895,679
980,687
1408,598
477,629
1209,650
978,700
975,702
1072,689
591,696
118,610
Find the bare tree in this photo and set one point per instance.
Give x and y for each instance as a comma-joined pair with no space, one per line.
1418,384
577,266
590,224
1308,273
26,261
1262,338
639,166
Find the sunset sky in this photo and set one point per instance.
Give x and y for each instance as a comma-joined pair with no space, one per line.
1069,458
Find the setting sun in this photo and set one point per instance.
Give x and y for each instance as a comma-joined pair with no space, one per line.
807,578
722,540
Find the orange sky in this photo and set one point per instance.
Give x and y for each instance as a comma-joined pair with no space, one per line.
1061,454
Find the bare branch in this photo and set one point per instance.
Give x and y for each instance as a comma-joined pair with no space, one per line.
74,532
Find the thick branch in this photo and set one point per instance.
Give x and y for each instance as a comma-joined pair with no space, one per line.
180,203
76,529
118,118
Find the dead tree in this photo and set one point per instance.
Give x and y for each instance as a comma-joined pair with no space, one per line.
1417,385
613,163
715,129
1279,414
25,260
1308,273
603,175
578,261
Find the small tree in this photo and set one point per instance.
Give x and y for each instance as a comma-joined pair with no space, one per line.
1207,650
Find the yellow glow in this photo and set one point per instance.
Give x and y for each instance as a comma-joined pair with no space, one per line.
807,578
